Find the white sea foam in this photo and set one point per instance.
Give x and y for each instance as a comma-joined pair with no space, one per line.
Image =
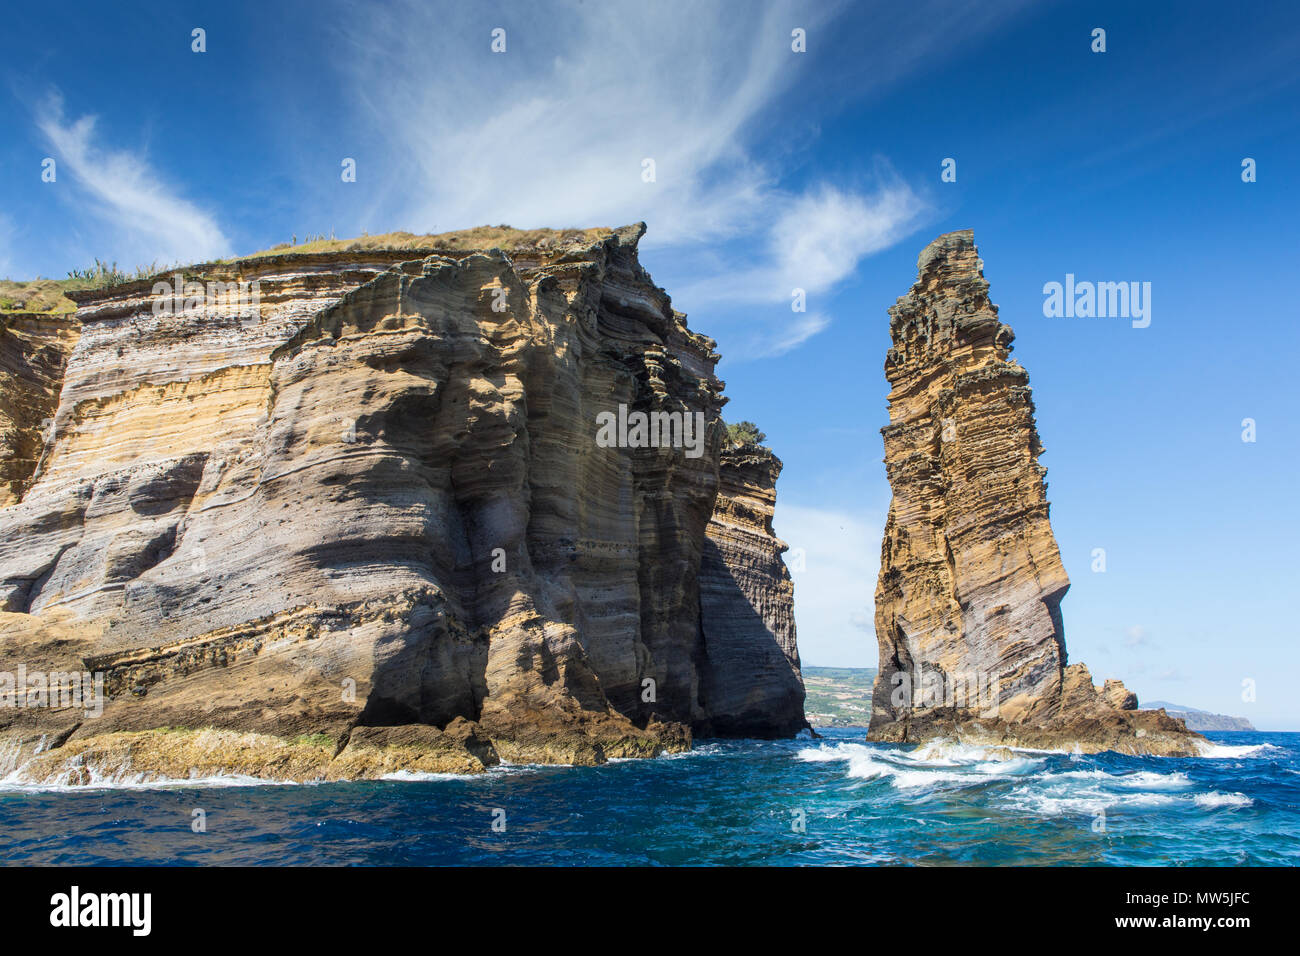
1087,801
1215,751
1091,791
418,776
1214,799
911,779
1080,790
863,762
1150,780
822,754
697,750
936,764
138,781
1142,780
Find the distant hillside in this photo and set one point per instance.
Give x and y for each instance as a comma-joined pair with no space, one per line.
1200,720
841,697
838,696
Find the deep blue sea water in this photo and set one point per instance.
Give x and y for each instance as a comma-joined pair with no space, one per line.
734,802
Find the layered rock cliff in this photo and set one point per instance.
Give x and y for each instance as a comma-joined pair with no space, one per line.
364,522
968,616
33,353
747,605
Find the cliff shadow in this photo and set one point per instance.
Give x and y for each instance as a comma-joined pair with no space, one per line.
748,686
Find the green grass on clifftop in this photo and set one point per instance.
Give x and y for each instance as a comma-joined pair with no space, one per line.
40,295
463,240
47,295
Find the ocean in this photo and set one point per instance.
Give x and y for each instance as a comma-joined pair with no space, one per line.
836,800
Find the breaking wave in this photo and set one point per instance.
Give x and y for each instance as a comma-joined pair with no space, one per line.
1230,751
940,763
1215,799
1039,783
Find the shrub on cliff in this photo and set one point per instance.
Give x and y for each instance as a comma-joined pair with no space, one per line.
744,435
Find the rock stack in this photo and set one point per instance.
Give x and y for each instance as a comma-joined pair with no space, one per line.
968,618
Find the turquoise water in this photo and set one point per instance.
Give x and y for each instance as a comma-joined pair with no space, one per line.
733,802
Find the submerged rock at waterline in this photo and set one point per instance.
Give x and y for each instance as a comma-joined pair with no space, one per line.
968,618
362,522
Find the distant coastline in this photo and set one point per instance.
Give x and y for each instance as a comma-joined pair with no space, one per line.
1200,720
841,697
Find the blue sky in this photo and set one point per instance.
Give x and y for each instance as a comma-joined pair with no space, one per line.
777,169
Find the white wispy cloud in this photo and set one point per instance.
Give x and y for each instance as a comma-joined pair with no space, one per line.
776,339
817,240
824,234
555,131
834,589
143,215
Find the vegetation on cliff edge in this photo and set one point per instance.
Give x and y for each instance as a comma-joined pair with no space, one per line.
47,295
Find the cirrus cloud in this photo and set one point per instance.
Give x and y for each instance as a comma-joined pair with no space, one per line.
125,193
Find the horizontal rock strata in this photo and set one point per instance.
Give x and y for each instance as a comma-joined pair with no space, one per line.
968,615
747,605
33,353
370,496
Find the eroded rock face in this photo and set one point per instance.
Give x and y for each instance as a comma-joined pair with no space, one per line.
374,499
33,353
968,600
752,682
